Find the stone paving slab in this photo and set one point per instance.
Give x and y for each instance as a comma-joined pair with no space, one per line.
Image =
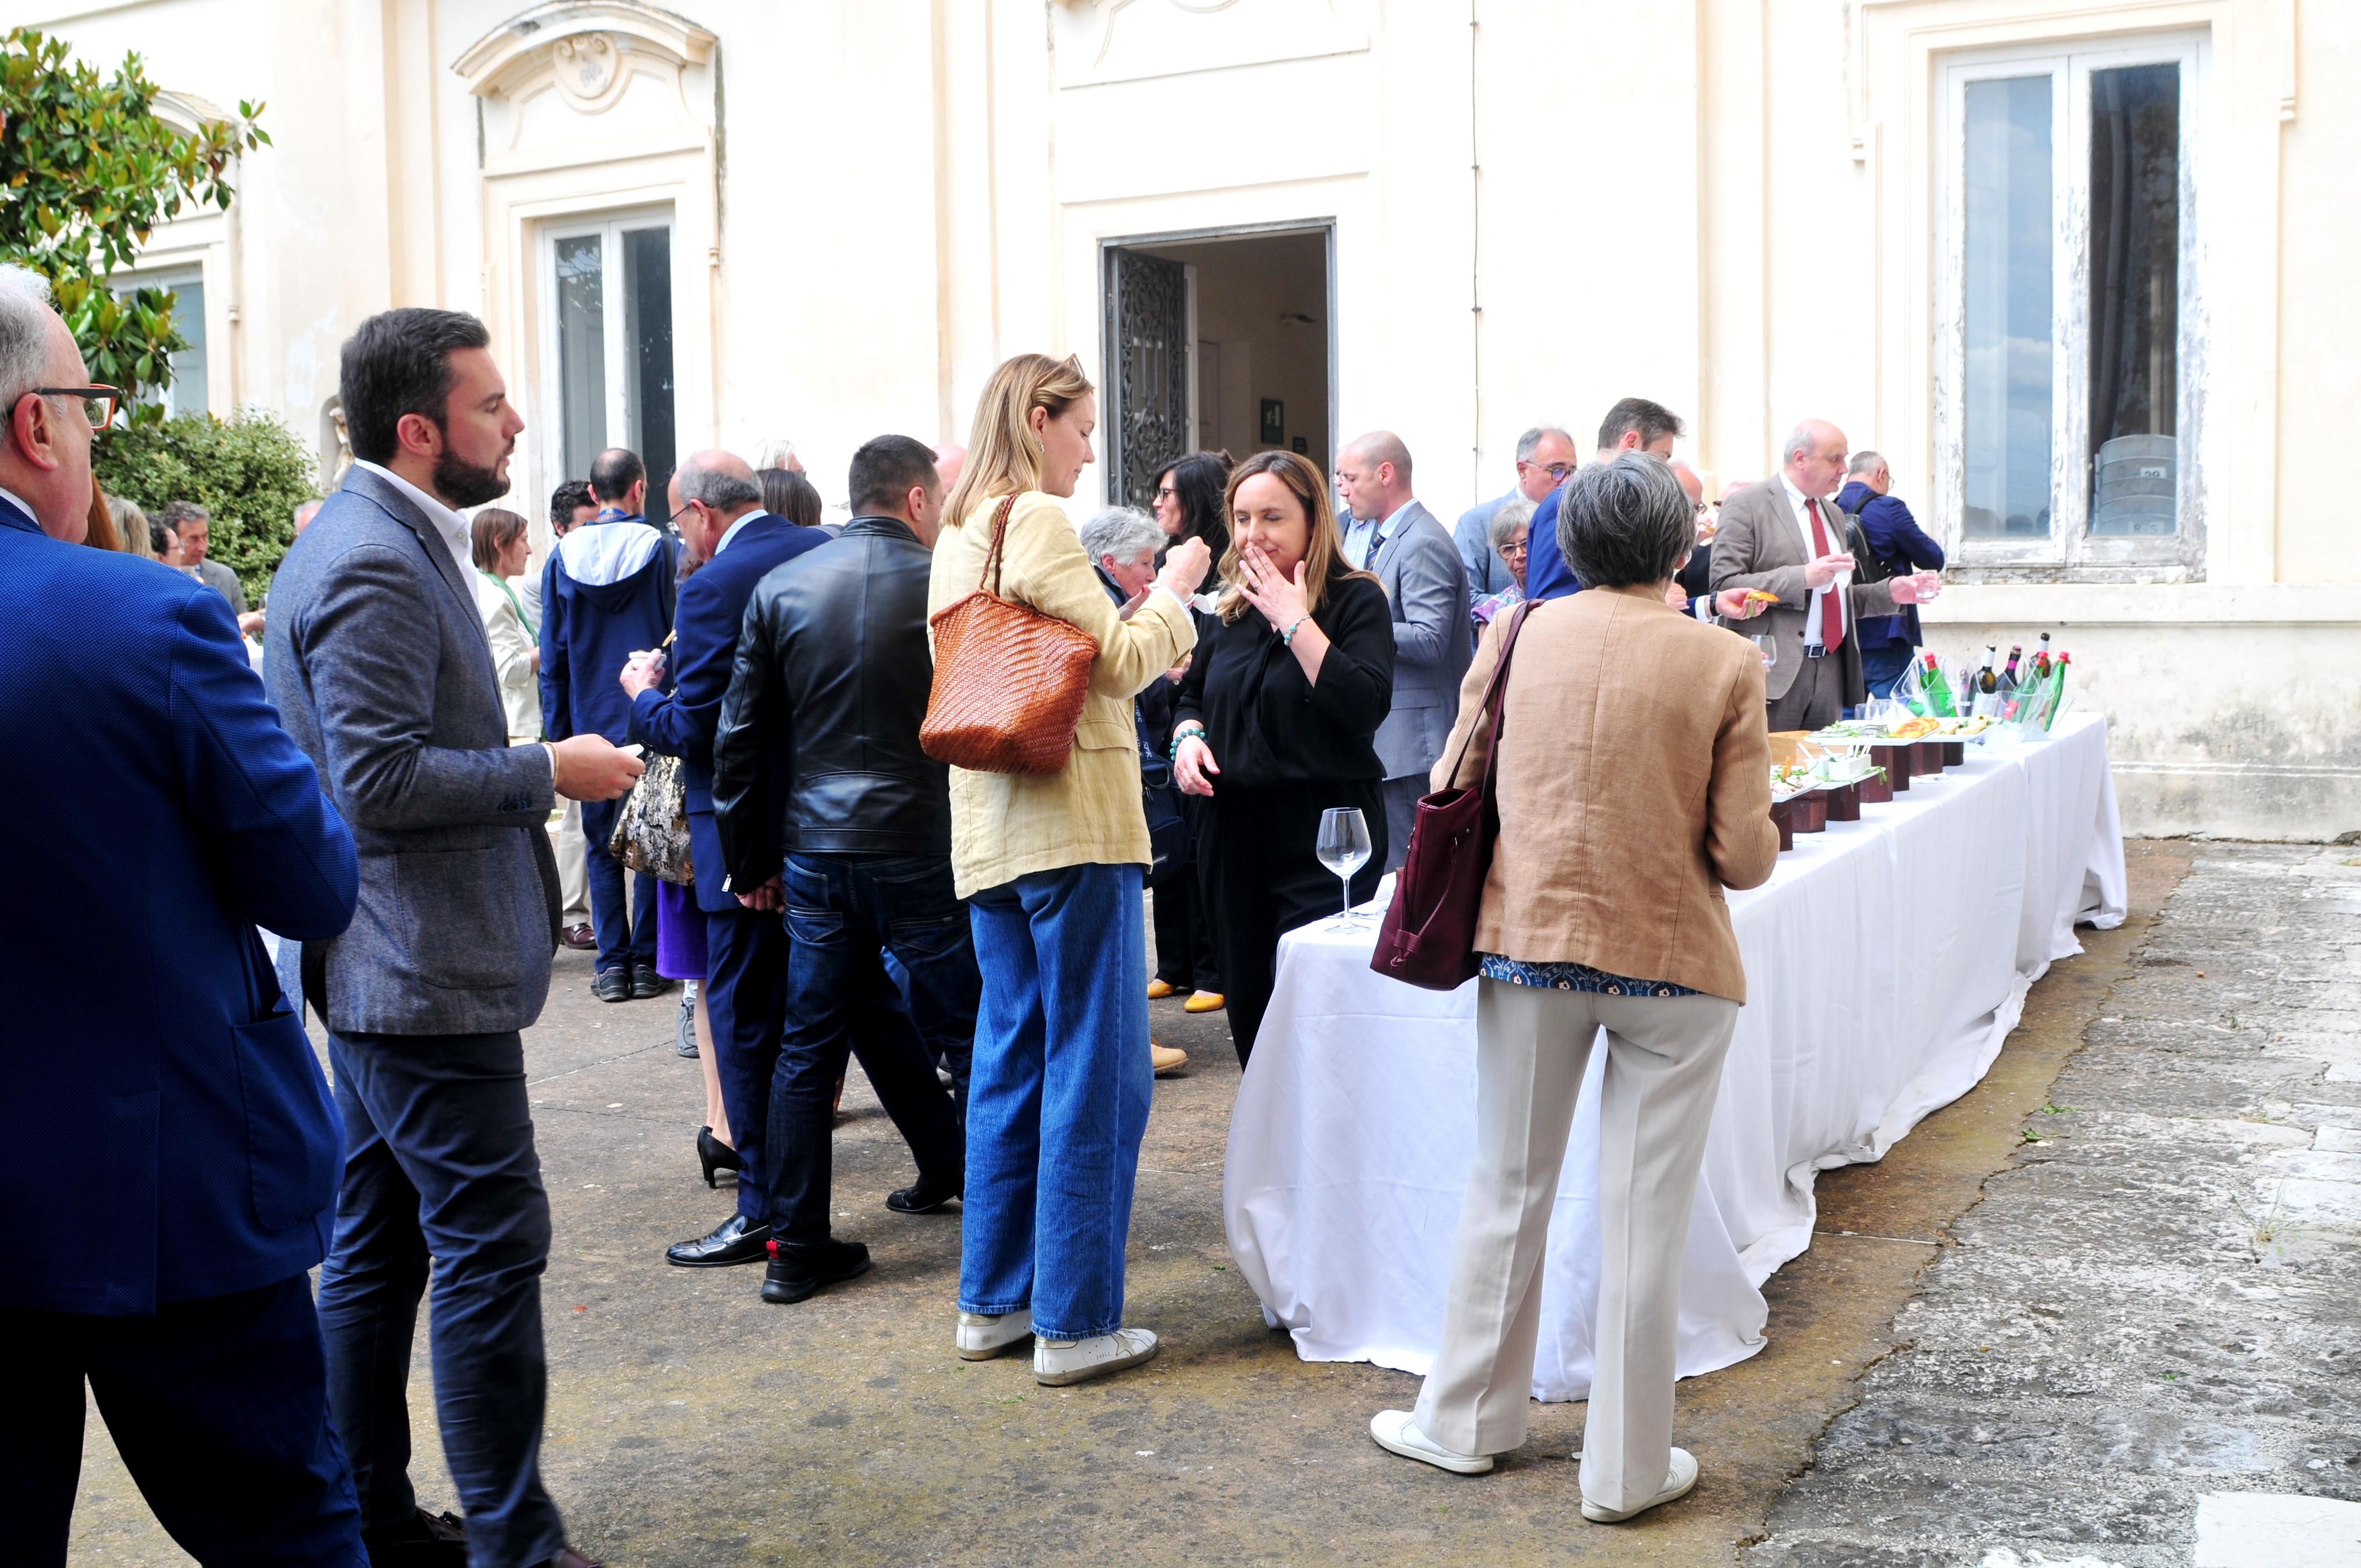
2159,1300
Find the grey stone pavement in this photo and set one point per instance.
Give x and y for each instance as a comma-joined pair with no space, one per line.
2001,1351
2159,1301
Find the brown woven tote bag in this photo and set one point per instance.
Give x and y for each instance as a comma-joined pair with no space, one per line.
1009,681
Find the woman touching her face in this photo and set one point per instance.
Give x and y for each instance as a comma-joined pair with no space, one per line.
1277,720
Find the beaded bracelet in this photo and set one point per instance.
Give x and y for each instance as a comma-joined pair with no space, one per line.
1183,733
1287,637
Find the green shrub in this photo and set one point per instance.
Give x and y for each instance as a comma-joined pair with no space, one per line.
249,471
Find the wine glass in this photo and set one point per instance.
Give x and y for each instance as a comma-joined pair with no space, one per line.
1767,644
1343,848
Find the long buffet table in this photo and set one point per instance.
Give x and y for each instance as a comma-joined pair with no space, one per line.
1886,961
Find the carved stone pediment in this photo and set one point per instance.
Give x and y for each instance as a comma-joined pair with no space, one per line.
582,47
574,81
1101,41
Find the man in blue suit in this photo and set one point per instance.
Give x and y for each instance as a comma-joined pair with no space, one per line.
1898,545
723,523
168,1148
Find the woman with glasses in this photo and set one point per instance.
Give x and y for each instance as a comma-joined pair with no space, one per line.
1511,527
1189,505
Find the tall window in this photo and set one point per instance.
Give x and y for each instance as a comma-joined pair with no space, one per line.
2063,429
610,360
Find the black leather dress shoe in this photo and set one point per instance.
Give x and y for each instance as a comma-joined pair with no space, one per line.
731,1241
422,1541
647,983
797,1273
612,984
923,1197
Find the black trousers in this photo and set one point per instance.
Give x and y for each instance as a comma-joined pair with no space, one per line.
1259,869
1184,939
219,1408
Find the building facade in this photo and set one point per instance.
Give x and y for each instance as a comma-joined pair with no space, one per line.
2075,269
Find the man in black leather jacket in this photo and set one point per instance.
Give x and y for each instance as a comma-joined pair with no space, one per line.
834,657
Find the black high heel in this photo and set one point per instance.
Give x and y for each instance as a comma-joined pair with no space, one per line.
715,1155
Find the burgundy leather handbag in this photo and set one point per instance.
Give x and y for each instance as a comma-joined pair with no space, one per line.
1428,936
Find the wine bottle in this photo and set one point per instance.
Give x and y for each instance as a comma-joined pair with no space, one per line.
1937,690
1984,697
2041,659
2008,696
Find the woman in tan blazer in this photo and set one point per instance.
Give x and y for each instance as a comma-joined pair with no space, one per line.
1633,786
1051,864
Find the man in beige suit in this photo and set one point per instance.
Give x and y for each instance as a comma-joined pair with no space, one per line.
1786,537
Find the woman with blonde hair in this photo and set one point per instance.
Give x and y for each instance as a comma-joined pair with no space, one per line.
1051,865
1277,723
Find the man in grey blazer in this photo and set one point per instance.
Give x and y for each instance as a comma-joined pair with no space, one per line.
1390,535
1786,537
379,668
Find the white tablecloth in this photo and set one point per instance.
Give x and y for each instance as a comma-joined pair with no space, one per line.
1887,959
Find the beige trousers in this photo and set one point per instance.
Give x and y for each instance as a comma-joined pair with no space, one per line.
1663,1067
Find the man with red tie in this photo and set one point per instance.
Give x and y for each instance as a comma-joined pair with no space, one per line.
1786,537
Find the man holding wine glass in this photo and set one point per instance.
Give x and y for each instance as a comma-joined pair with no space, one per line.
1277,724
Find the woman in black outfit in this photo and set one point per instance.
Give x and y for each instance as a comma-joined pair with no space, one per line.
1277,722
1192,498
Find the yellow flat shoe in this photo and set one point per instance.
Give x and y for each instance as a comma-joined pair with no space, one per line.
1157,991
1166,1057
1203,1002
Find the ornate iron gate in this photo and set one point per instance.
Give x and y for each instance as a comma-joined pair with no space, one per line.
1148,344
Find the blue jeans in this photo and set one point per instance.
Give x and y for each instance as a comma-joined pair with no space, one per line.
1881,667
623,939
1059,1097
439,1163
880,941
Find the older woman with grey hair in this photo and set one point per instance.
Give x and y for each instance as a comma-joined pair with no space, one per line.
1123,543
1509,528
1633,786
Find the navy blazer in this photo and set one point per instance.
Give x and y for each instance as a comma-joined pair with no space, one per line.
682,722
165,1130
1900,545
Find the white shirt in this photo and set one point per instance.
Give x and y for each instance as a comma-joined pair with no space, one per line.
1832,523
448,523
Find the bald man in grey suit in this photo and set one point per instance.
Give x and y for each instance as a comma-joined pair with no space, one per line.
1390,535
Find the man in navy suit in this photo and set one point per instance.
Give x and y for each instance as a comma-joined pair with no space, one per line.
723,523
168,1148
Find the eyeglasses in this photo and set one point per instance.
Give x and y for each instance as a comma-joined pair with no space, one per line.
99,402
1165,492
1518,548
1556,471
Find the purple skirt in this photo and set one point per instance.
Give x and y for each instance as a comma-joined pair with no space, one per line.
680,933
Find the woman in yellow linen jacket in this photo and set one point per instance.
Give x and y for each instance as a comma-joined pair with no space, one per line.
1051,865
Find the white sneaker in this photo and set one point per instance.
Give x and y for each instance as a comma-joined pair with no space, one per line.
1683,1477
981,1337
1057,1362
1396,1434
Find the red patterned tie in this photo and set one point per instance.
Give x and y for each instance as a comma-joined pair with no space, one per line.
1832,602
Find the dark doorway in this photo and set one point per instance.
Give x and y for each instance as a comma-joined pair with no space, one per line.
1217,343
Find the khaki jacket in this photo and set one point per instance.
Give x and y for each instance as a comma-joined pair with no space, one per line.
1004,826
1634,785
